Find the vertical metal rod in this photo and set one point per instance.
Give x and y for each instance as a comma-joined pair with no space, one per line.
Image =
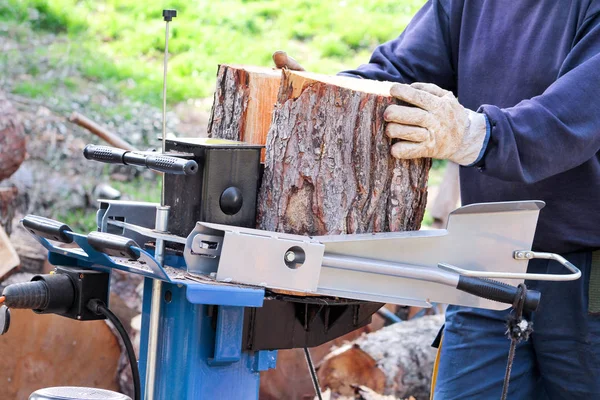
164,108
162,217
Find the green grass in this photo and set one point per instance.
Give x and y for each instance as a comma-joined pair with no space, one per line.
120,42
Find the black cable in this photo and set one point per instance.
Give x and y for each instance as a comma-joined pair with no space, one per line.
98,307
313,374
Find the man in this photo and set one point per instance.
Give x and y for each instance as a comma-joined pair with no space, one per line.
510,90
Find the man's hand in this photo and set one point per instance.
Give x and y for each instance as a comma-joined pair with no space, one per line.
438,127
282,60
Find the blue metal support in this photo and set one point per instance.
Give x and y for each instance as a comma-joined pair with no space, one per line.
196,360
200,352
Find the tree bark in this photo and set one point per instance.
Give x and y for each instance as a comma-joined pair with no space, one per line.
243,104
328,169
12,139
396,360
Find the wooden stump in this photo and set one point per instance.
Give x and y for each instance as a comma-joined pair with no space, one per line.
48,350
328,169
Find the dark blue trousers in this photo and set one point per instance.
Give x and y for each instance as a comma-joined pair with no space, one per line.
560,361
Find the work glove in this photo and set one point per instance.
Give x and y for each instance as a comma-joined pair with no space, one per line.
438,127
282,60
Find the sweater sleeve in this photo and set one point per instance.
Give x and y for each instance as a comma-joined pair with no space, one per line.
420,54
555,131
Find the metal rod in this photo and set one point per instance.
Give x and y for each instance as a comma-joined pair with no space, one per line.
313,374
162,216
523,255
379,267
164,108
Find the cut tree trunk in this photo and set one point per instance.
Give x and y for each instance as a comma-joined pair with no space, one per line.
49,350
244,101
12,139
396,360
328,169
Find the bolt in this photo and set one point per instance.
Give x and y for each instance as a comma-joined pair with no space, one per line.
79,317
520,254
80,276
529,255
290,256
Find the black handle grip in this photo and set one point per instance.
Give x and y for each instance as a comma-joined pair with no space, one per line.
114,245
497,291
156,162
47,228
105,154
171,165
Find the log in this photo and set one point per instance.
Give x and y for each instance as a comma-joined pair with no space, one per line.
396,360
12,139
49,350
243,103
328,169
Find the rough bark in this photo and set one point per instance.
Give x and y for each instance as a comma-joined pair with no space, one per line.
396,360
12,139
244,100
328,168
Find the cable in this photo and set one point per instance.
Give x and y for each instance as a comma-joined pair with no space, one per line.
98,307
313,374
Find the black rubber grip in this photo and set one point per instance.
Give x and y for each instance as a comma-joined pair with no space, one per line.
156,162
47,228
497,291
113,245
172,165
105,154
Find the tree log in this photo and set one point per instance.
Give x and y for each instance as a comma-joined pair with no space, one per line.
12,139
243,104
328,169
396,360
49,350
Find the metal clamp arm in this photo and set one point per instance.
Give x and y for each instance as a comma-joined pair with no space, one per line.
523,255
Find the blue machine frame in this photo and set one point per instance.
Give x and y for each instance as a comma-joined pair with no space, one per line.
196,359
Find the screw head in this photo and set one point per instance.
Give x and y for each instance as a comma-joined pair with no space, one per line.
290,256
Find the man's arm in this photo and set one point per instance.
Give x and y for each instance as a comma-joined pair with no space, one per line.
556,131
422,53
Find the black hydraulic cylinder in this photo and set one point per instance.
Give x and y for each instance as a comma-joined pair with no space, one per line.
497,291
156,162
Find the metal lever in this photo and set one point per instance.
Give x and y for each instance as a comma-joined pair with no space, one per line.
156,162
523,255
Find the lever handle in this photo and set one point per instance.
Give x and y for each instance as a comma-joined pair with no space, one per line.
47,228
156,162
113,245
497,291
105,154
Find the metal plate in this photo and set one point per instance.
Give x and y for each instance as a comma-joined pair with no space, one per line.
479,237
256,257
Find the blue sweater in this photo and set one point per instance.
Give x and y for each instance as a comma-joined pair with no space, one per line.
533,67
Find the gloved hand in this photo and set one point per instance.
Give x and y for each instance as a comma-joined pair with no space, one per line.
438,127
282,60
